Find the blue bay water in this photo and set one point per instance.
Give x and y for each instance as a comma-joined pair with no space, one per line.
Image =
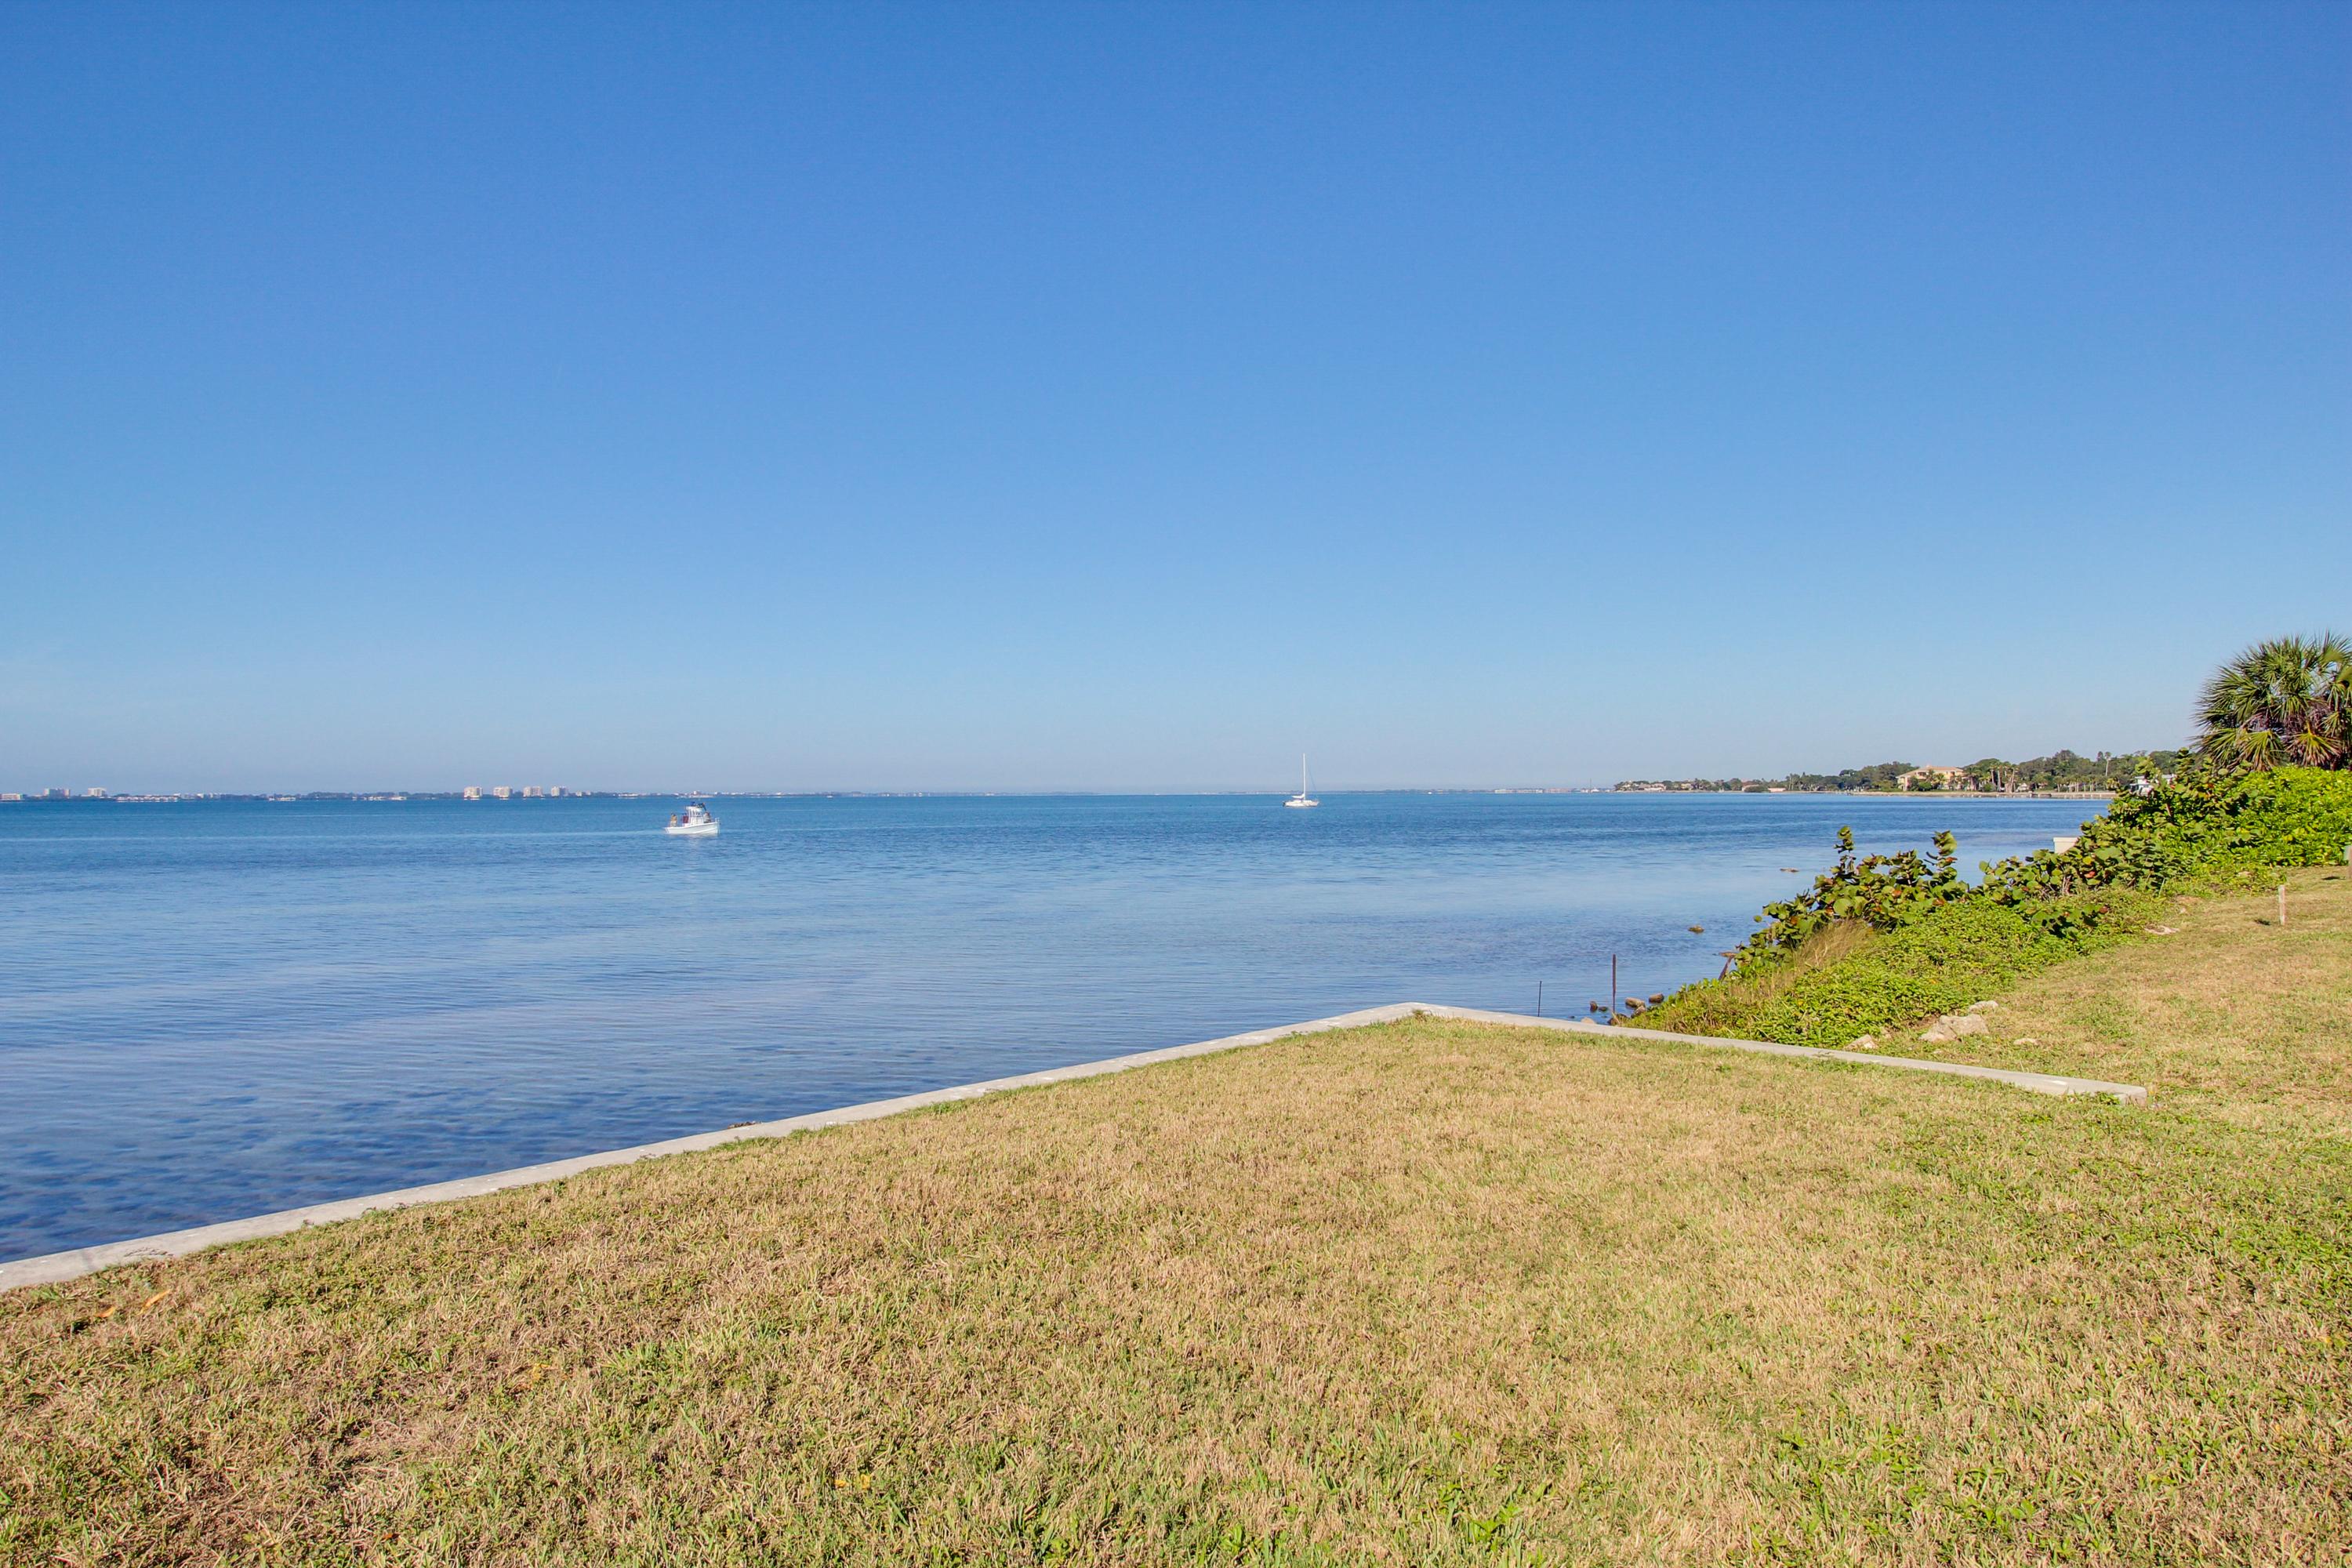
214,1009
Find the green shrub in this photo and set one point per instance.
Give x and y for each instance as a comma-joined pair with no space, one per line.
2287,816
1937,962
1881,891
2203,825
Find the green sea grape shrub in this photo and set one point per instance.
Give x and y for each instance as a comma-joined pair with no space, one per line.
2204,823
1941,960
1881,891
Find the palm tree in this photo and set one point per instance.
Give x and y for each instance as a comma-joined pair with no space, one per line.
2286,700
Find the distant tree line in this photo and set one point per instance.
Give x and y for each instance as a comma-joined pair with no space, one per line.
2060,770
2286,703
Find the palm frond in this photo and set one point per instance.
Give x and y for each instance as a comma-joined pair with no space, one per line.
2288,701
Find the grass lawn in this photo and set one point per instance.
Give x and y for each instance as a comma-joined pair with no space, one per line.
1429,1293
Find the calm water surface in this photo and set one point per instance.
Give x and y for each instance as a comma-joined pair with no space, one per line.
215,1009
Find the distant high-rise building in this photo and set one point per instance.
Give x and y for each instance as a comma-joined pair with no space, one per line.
555,792
57,794
531,792
473,792
10,794
93,793
502,791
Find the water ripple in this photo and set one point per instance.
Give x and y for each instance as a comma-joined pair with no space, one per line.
214,1009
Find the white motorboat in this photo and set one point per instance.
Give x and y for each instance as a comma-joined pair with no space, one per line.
694,822
1302,797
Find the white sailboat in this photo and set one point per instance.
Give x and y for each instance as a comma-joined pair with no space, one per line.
1302,797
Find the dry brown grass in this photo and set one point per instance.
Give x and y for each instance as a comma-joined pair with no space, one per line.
2230,1014
1430,1292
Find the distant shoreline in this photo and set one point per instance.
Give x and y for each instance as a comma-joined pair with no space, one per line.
1895,794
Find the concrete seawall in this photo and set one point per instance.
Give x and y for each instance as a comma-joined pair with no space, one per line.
52,1267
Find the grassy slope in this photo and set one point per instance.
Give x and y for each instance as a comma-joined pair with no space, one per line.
2267,1009
1424,1293
1848,981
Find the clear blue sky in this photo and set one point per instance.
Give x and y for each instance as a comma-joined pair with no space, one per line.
1122,396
